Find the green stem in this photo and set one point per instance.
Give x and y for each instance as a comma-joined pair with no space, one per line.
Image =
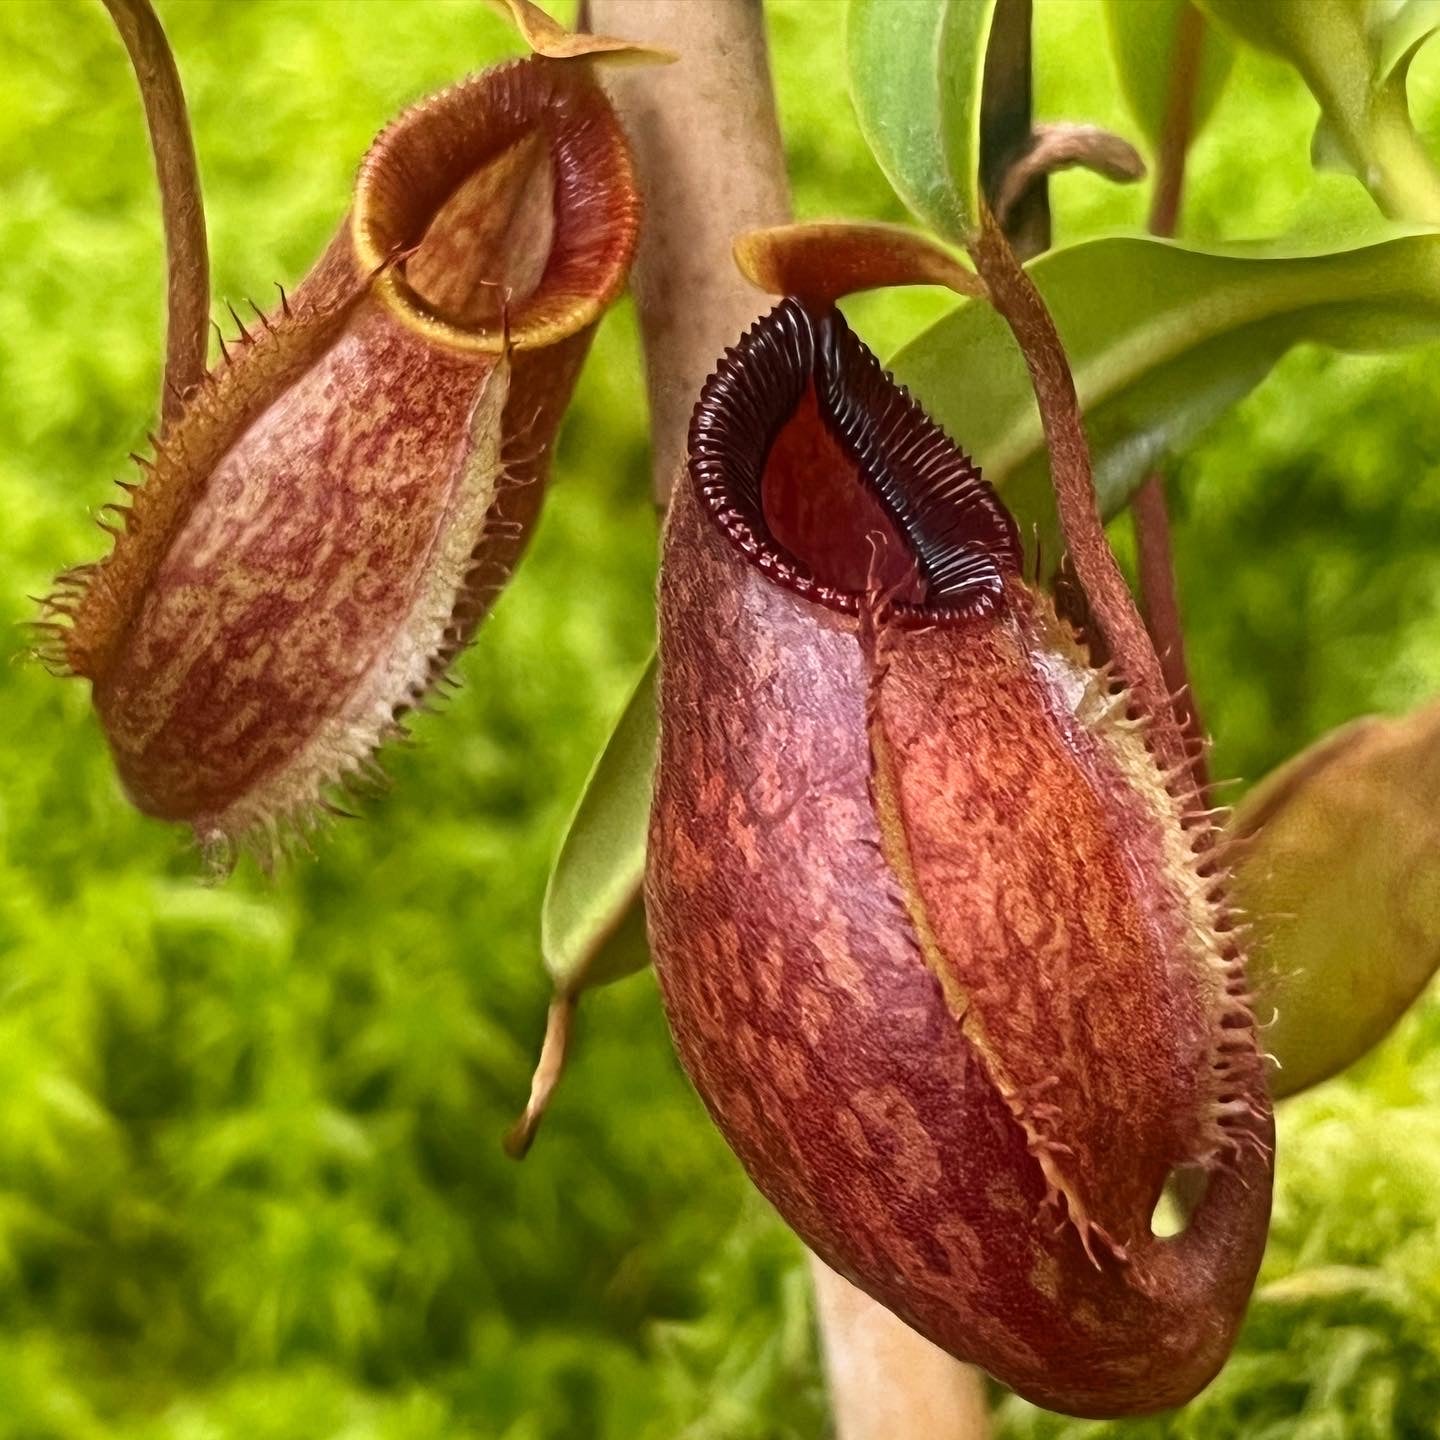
1392,162
1370,117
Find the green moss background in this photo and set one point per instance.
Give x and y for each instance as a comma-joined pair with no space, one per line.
250,1175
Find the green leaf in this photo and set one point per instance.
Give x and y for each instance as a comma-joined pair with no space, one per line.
592,924
1342,47
916,76
1339,870
1400,29
1161,339
1143,38
1354,55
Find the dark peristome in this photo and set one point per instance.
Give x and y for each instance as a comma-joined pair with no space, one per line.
961,539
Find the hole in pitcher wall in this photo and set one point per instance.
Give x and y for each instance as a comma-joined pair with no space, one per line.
1185,1188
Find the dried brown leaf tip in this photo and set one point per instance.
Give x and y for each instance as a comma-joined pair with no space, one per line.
936,938
322,528
546,36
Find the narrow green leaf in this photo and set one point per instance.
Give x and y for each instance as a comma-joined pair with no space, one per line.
916,75
1339,870
592,925
1354,56
1161,339
1143,38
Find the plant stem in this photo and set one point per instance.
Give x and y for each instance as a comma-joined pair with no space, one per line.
710,164
188,284
548,1069
1375,131
1175,133
868,1350
1403,179
1158,591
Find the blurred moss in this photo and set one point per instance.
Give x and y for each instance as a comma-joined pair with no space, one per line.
250,1175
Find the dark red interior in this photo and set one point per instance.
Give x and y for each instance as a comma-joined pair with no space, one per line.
830,478
817,505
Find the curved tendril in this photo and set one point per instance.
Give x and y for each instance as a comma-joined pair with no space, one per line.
188,282
1020,304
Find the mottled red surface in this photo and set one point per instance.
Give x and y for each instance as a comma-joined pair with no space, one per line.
288,581
806,519
935,954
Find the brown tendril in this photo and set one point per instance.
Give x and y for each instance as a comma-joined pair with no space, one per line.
187,260
1014,295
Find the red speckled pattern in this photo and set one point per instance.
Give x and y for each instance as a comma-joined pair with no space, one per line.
339,503
1040,876
302,562
806,1011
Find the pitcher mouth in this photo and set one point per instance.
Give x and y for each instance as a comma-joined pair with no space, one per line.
502,210
830,479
